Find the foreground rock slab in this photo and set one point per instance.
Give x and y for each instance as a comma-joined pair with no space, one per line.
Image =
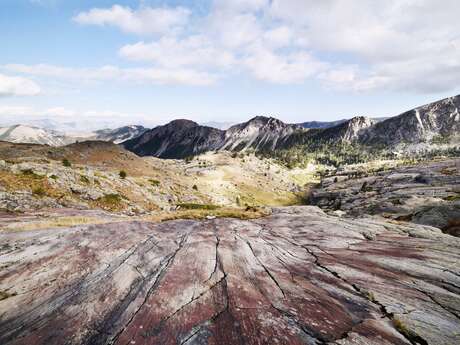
298,276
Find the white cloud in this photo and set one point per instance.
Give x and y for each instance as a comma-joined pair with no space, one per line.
359,45
17,86
172,52
240,5
394,44
145,20
278,37
160,76
266,65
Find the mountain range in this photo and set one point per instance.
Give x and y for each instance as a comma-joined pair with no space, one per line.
419,128
429,124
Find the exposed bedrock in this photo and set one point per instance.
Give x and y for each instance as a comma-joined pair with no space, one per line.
298,276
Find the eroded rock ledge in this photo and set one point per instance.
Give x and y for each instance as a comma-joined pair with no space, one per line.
298,276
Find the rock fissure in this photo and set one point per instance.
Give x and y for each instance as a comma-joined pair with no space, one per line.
267,271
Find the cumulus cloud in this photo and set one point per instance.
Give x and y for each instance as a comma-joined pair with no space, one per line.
145,20
356,45
394,44
266,65
17,86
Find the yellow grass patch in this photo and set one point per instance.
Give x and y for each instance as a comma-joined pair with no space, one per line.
58,222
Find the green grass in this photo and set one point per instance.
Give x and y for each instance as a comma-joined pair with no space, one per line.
191,206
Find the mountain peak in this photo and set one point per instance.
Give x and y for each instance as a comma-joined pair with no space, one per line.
263,120
182,123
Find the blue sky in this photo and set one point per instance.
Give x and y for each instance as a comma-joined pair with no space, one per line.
89,64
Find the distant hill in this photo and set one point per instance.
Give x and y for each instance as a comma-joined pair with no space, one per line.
36,135
33,135
319,124
119,135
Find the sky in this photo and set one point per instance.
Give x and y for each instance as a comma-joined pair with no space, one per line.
81,65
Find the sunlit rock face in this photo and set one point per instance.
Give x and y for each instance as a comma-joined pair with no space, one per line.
298,276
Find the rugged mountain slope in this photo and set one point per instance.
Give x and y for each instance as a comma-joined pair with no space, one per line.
177,139
33,135
441,118
119,135
347,131
260,133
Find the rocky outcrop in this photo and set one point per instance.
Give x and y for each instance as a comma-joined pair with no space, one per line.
425,193
295,277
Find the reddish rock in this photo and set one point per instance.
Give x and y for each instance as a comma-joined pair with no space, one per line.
296,277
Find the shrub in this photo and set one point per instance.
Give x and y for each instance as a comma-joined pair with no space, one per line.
66,162
154,183
195,187
38,191
112,198
122,174
54,177
30,173
84,179
27,172
110,202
